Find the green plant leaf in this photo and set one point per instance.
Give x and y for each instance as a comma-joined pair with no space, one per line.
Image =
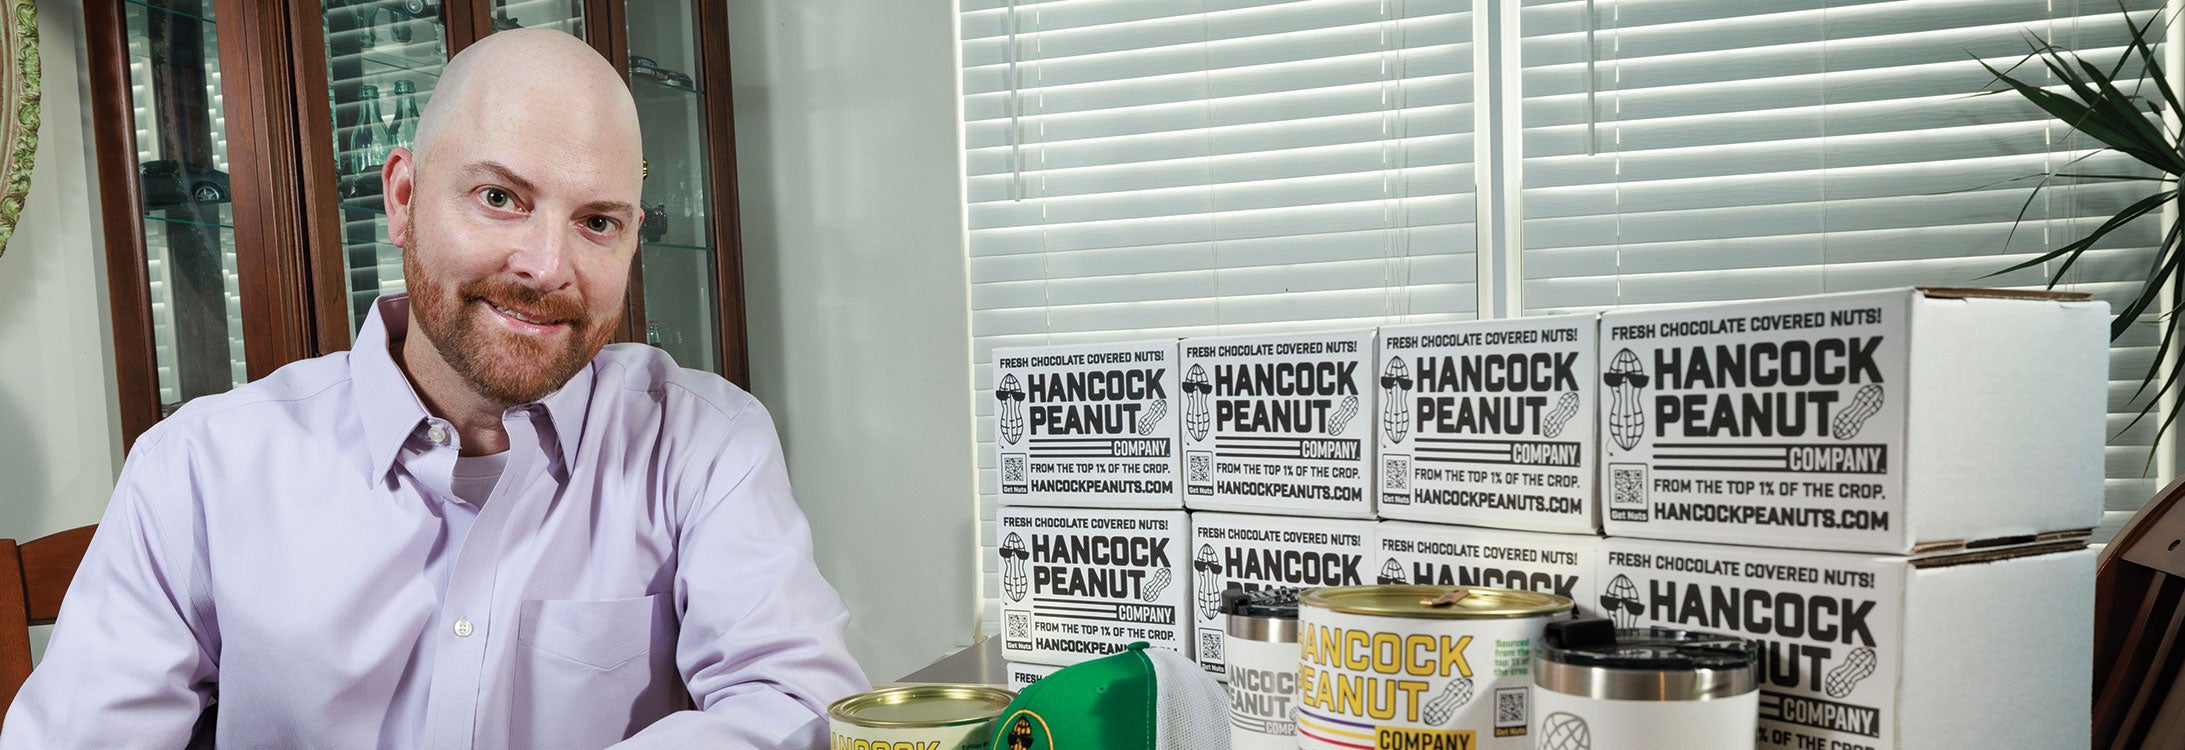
2167,259
2139,208
2147,57
2077,115
2144,136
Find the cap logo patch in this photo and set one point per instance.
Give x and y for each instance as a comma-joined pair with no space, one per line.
1026,730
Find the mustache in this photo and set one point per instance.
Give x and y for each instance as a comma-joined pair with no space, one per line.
532,303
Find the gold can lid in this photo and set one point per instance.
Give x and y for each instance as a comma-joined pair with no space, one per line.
1436,602
921,706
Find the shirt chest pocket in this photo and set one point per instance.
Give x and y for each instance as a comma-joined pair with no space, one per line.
602,634
590,673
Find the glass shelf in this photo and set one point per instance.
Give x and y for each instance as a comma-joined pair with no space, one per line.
188,222
370,205
641,88
671,245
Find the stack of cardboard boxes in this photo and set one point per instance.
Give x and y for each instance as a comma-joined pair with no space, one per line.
1890,491
1091,533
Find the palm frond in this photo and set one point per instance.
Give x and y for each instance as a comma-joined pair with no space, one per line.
2088,98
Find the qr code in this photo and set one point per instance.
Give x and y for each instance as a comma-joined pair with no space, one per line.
1396,473
1627,483
1201,468
1510,708
1209,646
1012,468
1017,626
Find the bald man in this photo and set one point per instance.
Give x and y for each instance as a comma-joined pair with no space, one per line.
481,527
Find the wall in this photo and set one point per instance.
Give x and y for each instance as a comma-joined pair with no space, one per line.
847,152
60,444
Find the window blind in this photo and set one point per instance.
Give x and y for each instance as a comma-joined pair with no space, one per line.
1163,168
1160,168
1690,150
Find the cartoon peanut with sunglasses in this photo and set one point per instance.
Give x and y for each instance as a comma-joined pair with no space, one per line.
1625,376
1395,390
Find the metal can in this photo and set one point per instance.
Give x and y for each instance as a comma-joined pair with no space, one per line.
1425,667
1261,658
1649,688
917,717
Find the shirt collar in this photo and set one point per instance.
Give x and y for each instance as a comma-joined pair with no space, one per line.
392,413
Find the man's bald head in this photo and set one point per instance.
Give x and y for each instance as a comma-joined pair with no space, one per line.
535,67
517,209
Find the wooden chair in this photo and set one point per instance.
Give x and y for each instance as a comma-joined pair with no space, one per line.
34,576
2139,622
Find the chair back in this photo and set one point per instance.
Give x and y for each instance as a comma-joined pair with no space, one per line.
34,576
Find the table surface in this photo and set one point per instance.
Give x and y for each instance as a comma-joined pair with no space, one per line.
977,664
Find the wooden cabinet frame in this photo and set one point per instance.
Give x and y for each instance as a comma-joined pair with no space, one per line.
288,234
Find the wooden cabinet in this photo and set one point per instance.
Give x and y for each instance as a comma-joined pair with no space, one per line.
239,152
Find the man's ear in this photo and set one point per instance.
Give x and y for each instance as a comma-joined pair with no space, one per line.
399,175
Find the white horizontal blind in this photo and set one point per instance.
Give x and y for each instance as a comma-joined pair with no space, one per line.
1763,148
1163,168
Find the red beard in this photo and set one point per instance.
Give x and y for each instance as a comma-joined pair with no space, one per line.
502,365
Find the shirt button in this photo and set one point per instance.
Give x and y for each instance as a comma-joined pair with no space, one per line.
462,628
438,434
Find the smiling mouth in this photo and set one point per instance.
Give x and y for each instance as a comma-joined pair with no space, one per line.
524,320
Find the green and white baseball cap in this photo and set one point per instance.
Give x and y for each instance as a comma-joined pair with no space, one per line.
1139,699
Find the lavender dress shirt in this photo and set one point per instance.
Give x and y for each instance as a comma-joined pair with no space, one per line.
292,550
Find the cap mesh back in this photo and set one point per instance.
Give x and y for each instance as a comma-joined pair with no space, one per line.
1194,708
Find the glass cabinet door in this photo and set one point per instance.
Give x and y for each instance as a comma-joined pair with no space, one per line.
383,58
677,247
182,179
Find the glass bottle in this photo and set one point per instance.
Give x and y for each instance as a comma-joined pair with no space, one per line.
366,15
403,131
367,148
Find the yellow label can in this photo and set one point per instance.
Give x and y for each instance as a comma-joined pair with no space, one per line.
1418,667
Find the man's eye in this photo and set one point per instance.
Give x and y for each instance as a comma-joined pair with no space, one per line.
497,197
599,224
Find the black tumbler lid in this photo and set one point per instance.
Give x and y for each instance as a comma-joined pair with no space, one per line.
1277,603
1599,643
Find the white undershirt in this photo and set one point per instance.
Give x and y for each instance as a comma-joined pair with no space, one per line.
476,475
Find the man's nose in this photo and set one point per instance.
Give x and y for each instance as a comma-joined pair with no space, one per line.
540,258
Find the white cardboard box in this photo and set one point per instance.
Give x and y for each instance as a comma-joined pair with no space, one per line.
1280,424
1087,425
1022,676
1251,552
1441,555
1079,583
1882,652
1490,423
1902,421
